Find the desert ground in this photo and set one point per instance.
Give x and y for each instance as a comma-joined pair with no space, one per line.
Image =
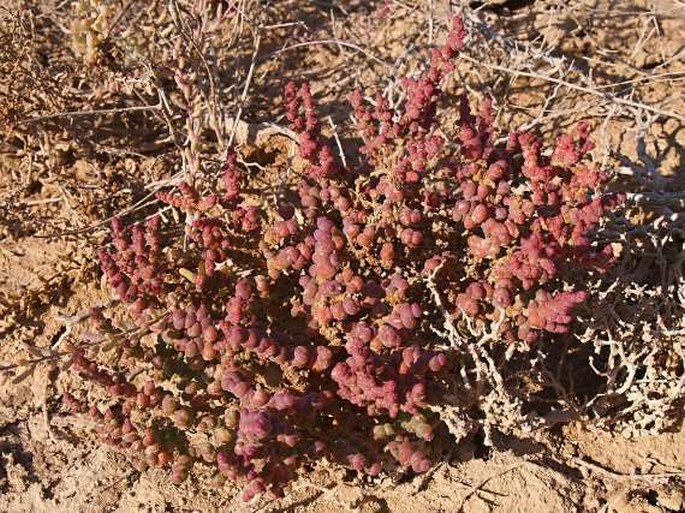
90,119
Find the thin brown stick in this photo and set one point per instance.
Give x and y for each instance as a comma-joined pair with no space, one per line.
84,113
612,474
336,42
246,88
77,231
606,96
116,20
337,141
475,488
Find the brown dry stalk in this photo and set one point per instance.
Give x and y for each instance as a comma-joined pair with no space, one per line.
606,96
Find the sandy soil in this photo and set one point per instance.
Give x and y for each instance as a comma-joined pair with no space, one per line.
53,182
